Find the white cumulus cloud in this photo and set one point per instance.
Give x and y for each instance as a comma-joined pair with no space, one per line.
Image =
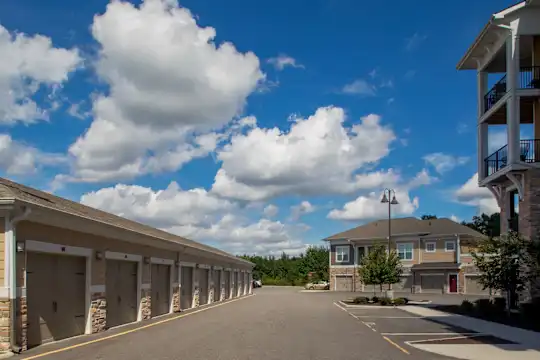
170,84
282,61
480,197
317,155
27,64
445,162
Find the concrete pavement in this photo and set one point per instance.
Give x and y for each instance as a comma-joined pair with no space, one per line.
275,324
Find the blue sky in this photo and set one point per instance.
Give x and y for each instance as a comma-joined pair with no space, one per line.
312,109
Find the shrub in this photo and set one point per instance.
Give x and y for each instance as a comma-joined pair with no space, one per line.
361,300
375,299
483,306
531,309
385,301
400,301
499,303
467,306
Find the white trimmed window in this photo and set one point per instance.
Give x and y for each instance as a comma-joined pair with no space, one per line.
342,254
405,251
431,247
449,246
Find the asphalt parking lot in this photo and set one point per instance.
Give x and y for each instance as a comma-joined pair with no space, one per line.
411,333
274,324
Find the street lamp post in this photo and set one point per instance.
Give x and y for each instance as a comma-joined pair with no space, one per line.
391,200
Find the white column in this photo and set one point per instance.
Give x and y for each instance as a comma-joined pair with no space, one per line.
481,80
512,104
482,150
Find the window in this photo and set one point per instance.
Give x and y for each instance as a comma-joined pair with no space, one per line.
342,254
431,247
450,246
361,253
405,251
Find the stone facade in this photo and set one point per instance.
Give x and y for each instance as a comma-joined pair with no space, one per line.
529,206
222,295
351,271
4,325
211,294
176,299
146,304
99,312
22,323
196,297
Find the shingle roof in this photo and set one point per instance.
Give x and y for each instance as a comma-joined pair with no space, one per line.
18,192
409,225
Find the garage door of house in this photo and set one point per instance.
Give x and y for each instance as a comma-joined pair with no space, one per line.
405,284
217,284
186,293
227,279
473,286
432,283
203,286
56,293
161,278
344,283
121,290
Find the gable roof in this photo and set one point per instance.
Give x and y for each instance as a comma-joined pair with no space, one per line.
10,190
402,226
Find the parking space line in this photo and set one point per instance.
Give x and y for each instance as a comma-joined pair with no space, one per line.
134,329
446,338
431,334
390,317
396,345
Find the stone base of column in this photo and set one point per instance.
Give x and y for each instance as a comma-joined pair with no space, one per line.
146,304
176,299
99,312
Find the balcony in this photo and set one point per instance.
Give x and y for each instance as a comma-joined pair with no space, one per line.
529,153
529,78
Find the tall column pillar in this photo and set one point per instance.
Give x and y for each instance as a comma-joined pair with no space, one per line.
512,104
482,150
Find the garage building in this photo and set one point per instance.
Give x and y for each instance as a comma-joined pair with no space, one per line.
70,270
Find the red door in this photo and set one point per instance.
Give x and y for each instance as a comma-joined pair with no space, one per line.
452,283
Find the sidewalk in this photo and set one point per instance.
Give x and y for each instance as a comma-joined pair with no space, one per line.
526,347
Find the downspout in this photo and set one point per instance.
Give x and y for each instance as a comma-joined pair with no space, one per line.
13,280
458,258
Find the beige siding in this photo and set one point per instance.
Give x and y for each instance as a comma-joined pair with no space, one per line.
2,248
416,251
39,232
440,254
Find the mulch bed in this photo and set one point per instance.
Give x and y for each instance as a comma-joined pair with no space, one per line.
515,320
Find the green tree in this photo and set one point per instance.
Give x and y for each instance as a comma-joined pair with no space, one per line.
380,267
507,263
489,225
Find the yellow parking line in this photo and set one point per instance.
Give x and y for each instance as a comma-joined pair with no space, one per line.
396,345
131,331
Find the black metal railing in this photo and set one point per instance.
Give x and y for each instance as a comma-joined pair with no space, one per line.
529,152
496,161
495,94
529,77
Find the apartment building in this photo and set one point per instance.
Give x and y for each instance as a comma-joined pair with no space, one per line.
506,58
435,254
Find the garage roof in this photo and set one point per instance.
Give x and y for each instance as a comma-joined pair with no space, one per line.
10,190
405,226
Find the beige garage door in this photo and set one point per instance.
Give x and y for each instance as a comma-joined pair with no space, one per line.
160,289
473,286
217,284
203,286
227,279
186,293
432,283
56,293
405,284
344,283
121,290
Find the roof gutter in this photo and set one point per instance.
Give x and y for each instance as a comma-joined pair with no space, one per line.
476,42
